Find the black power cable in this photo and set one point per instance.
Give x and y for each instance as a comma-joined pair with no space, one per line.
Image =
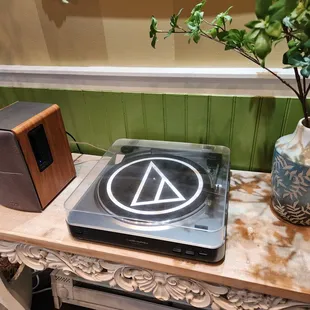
69,134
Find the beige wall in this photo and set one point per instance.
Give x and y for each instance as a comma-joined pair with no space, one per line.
110,33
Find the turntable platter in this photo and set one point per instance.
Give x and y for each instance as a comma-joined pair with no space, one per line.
152,190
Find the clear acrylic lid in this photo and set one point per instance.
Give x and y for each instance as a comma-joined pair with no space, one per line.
166,189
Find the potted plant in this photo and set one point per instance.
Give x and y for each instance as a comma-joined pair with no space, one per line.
277,20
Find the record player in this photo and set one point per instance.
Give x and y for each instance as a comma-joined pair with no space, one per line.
164,197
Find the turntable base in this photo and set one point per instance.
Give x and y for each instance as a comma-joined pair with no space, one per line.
164,197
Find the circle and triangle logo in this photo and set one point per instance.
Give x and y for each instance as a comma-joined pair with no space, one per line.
164,184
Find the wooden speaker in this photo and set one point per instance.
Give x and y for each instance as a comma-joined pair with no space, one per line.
35,158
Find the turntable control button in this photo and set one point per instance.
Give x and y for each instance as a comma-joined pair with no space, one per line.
177,250
189,252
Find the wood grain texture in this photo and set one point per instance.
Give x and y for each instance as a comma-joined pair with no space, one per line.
263,254
54,178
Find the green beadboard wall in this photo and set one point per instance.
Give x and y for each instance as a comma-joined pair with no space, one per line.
249,126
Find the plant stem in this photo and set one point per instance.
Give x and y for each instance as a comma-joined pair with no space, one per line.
282,80
298,80
213,25
302,95
307,91
290,35
256,61
244,54
304,84
304,107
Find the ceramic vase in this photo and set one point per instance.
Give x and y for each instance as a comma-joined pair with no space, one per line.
291,176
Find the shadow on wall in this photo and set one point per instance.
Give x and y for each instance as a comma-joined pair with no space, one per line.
266,107
7,44
58,11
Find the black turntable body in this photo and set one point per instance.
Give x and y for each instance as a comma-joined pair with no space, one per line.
164,197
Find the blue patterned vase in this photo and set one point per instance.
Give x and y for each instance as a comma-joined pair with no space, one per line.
291,176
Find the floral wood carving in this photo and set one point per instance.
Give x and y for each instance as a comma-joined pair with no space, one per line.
162,286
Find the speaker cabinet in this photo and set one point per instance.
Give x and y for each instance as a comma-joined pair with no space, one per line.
35,158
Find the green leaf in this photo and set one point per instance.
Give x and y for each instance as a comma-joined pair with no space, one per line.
212,32
153,31
296,59
251,36
287,22
169,33
196,37
228,18
262,45
222,18
221,35
291,43
229,47
196,17
274,29
178,15
154,22
154,40
252,24
233,38
307,30
287,55
305,72
153,27
174,19
227,11
307,44
261,8
198,6
281,8
285,59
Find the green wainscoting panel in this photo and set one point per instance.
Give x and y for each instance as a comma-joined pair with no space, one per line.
197,118
153,108
245,124
24,94
294,115
7,96
115,115
134,116
221,118
175,114
99,120
248,125
76,114
270,123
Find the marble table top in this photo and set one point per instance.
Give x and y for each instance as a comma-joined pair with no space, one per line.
264,254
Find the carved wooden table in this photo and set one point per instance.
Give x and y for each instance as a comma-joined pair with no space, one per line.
267,264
